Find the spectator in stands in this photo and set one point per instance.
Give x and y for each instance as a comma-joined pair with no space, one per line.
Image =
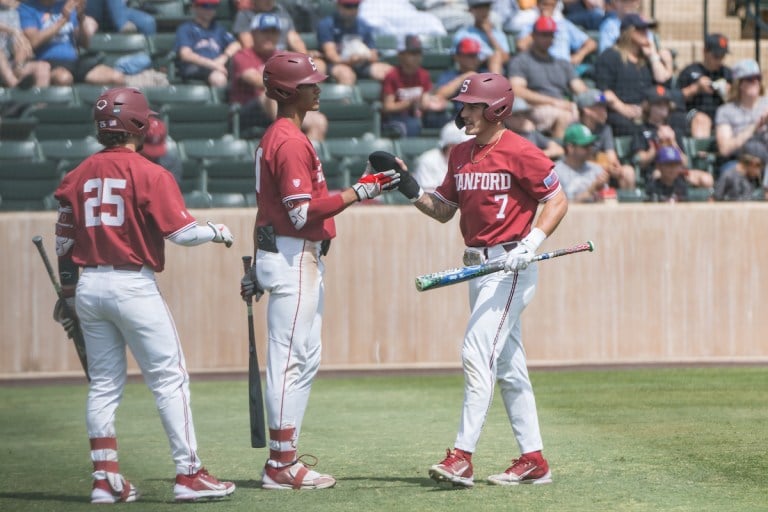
582,179
593,113
399,18
17,67
513,15
656,132
570,42
494,47
348,47
432,165
668,184
588,14
466,63
741,182
520,122
55,30
155,148
545,81
610,27
247,84
625,71
289,37
204,47
406,97
705,86
118,16
745,116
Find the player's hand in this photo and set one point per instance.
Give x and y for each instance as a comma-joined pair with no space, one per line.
221,234
250,287
521,256
65,314
371,185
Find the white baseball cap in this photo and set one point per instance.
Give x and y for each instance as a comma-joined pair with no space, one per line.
451,135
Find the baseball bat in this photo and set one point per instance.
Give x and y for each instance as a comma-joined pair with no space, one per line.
458,275
255,397
76,334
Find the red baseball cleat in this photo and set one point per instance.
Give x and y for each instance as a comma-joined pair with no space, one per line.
525,470
200,485
454,469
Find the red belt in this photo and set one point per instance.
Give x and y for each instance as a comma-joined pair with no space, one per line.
128,266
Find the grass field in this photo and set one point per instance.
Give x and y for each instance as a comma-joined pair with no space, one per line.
619,440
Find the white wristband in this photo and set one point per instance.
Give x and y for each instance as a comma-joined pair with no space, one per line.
421,193
534,239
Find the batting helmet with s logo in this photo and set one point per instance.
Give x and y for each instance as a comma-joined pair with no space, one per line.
490,89
123,109
285,71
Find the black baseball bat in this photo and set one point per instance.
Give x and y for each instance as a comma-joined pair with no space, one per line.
255,397
76,333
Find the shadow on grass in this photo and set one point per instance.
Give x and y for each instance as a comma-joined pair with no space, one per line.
63,498
416,481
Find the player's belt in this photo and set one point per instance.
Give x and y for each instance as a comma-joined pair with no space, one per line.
480,255
128,266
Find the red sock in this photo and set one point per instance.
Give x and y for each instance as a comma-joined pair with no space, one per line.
536,456
464,455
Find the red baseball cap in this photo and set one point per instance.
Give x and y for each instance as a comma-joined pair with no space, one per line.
545,24
154,141
206,2
467,46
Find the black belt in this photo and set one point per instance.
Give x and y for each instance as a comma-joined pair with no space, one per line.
507,247
128,266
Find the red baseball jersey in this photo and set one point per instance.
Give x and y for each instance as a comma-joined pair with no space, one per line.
288,171
123,208
498,188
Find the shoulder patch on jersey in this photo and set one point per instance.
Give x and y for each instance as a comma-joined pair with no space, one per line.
296,182
551,179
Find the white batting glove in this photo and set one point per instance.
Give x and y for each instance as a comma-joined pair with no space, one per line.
221,234
521,256
371,185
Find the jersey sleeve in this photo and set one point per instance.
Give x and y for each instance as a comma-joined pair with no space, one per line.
293,164
165,204
536,175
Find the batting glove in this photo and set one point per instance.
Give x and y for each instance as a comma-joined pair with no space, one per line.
371,185
221,234
65,314
521,256
250,287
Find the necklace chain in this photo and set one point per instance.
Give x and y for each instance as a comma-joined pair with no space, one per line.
472,152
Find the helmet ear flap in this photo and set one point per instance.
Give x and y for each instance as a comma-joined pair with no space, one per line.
459,121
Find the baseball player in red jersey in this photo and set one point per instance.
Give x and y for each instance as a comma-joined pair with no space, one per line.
116,209
293,228
497,182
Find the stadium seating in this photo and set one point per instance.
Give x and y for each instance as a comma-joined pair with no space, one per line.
229,181
17,128
209,150
200,121
409,148
185,94
701,153
116,45
68,153
57,121
28,186
19,151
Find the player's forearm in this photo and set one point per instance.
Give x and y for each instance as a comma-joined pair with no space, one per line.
552,213
438,210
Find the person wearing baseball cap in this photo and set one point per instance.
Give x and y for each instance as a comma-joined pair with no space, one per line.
204,47
705,86
494,47
742,182
582,179
347,43
570,42
668,184
155,148
745,116
545,81
407,103
466,60
593,113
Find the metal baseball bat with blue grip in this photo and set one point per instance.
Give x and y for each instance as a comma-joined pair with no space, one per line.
459,275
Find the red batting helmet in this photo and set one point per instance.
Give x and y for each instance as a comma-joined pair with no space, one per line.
490,88
123,109
285,71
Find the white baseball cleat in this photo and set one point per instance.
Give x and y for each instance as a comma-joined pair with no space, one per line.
200,485
103,492
296,476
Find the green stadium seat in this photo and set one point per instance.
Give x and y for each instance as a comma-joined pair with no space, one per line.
635,195
208,150
57,121
20,151
409,148
28,185
116,45
68,153
199,121
350,120
701,153
87,94
230,177
197,199
185,94
17,128
340,94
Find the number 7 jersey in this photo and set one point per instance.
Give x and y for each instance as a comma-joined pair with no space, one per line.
499,190
123,208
